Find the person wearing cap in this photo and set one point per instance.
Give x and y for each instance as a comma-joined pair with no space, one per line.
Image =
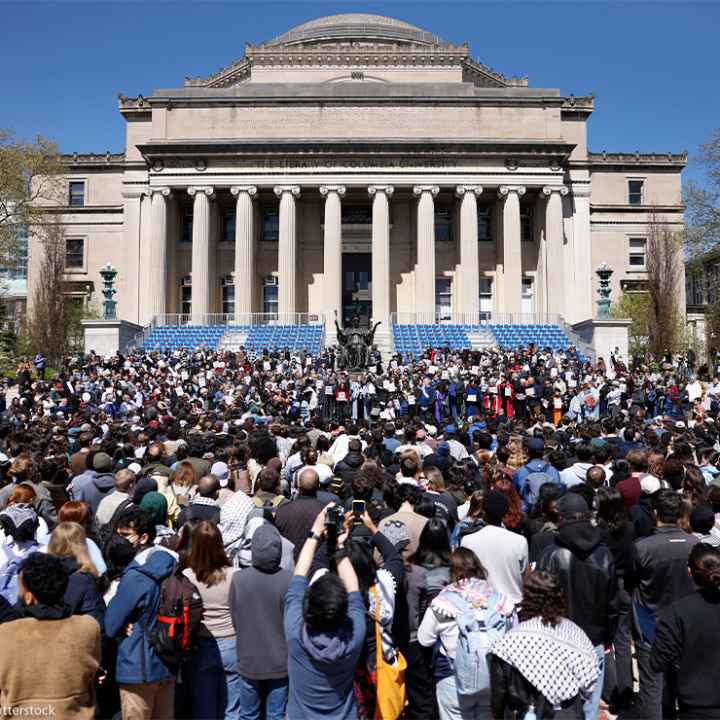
702,521
503,553
658,577
102,484
535,464
221,471
586,569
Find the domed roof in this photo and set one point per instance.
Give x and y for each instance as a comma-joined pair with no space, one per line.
355,26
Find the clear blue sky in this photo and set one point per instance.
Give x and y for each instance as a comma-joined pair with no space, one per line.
653,66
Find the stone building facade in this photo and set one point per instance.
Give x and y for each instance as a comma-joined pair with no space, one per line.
360,165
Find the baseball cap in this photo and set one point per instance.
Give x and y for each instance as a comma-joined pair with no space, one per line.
535,443
649,484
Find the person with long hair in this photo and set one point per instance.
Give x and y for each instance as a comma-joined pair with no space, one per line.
427,573
687,640
545,662
618,533
211,671
68,542
468,591
182,483
514,519
77,511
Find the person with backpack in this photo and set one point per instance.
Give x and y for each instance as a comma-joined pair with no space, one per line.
147,684
534,474
460,625
546,664
427,573
19,524
268,491
211,671
124,486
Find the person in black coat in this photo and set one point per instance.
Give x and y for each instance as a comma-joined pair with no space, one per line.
688,638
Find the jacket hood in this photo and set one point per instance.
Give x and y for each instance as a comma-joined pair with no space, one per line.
579,470
537,465
104,482
266,548
326,647
354,459
155,562
69,564
579,536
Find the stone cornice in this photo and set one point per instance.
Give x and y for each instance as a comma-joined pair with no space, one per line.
637,159
645,209
93,161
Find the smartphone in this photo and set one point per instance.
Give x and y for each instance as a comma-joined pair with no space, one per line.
358,510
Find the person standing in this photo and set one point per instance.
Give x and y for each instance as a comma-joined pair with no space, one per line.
211,671
257,598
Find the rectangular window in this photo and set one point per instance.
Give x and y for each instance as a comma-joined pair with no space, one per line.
526,224
484,231
486,298
270,225
77,193
527,299
186,297
74,254
356,215
270,297
443,225
635,192
636,253
228,295
186,226
443,298
228,226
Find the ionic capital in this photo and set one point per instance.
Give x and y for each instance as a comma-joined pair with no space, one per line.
387,189
420,189
325,190
294,190
548,190
505,190
250,190
205,189
460,190
164,191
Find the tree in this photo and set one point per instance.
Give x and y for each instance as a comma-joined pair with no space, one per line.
51,313
664,263
702,217
634,306
30,179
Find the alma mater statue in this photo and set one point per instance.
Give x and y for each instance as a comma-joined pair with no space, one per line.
355,344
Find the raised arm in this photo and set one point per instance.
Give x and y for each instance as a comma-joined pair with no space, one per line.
305,559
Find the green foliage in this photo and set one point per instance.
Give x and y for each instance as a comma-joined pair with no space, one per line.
634,306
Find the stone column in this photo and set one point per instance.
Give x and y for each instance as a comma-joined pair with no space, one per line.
469,268
158,265
287,250
332,253
245,273
554,240
381,195
200,267
425,268
512,251
579,302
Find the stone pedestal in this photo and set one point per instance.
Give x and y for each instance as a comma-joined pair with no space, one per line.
107,337
605,334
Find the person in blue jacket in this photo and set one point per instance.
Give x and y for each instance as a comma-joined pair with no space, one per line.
325,631
147,687
535,464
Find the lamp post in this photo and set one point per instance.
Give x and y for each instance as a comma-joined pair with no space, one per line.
604,272
108,274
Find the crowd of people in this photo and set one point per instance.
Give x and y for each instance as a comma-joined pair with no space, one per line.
498,534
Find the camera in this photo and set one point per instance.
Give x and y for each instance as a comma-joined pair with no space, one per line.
334,519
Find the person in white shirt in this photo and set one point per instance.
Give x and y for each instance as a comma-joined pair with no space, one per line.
503,554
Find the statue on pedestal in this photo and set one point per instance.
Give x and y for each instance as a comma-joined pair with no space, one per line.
355,344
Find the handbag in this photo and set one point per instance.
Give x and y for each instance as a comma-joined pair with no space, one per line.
391,692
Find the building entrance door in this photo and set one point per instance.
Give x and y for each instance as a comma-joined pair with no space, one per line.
356,288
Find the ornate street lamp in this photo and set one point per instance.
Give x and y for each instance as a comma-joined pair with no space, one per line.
109,273
604,272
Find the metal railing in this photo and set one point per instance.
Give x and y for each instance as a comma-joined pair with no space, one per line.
237,319
479,318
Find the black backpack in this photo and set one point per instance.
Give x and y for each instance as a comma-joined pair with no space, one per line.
106,532
178,620
435,580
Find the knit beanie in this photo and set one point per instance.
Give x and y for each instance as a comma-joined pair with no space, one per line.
155,505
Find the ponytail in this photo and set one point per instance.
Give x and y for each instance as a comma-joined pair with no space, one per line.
704,564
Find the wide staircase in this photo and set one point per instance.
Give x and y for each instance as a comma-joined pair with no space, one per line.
234,337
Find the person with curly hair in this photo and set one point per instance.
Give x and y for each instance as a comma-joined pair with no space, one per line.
544,663
688,638
50,656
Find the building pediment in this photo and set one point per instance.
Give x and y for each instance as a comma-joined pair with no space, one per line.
359,42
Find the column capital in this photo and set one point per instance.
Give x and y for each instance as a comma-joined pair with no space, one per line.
206,189
548,190
460,190
164,191
505,190
325,190
387,189
293,189
251,190
420,189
